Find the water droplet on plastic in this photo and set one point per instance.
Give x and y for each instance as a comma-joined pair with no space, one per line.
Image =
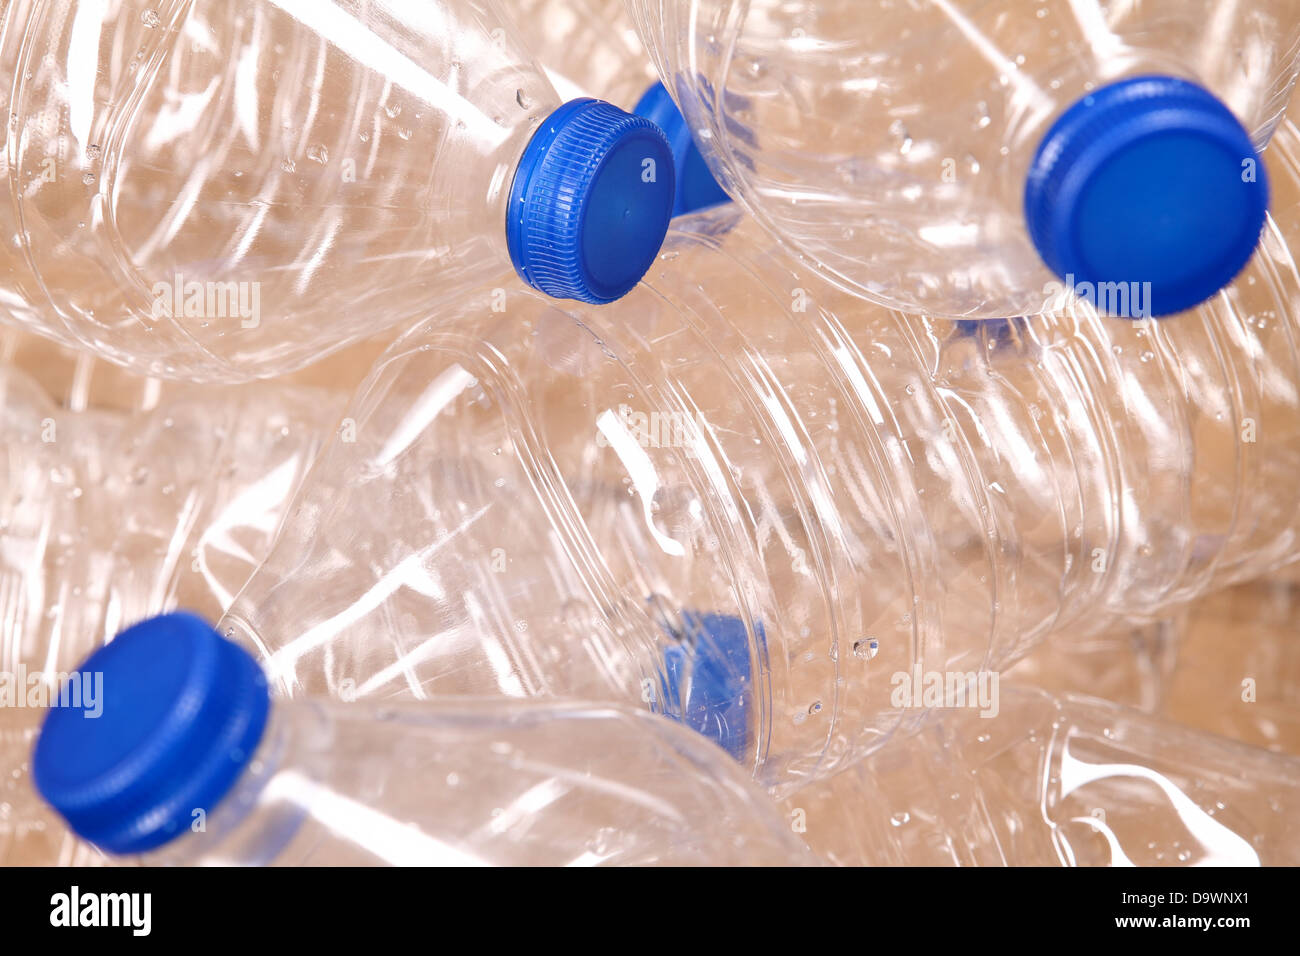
677,511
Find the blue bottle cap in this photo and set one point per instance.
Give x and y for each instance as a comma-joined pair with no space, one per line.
590,202
177,714
696,187
1151,179
711,666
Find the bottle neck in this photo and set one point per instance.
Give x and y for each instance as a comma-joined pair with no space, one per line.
244,828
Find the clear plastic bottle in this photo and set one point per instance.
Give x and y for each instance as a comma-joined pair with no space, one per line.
191,762
222,192
107,517
52,582
780,483
1070,781
912,150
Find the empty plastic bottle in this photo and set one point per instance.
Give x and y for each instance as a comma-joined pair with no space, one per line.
775,482
191,762
1069,781
220,192
108,517
968,158
590,48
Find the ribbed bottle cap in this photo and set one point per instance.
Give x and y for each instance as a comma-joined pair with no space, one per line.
590,202
176,715
696,187
1148,180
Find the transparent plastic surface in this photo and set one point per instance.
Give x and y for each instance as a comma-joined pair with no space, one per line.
1225,664
1132,665
216,191
515,783
888,141
77,381
1069,781
108,517
863,491
1238,668
587,48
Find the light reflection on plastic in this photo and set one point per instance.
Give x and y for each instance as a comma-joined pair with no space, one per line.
641,470
397,844
1221,846
361,43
